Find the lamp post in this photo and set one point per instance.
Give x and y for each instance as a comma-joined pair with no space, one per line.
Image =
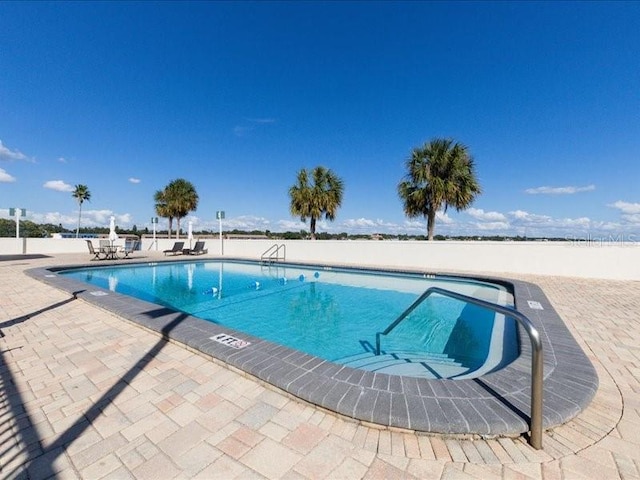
17,213
220,217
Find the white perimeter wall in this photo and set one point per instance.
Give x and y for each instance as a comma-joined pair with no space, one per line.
619,261
544,258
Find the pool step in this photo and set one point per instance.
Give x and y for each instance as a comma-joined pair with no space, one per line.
413,364
432,356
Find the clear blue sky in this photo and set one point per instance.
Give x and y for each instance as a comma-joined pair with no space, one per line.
237,97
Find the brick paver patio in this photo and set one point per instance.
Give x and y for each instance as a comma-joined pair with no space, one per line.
84,394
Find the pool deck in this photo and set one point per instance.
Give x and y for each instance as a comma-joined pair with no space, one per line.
85,394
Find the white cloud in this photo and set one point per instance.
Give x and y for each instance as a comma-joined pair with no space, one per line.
5,177
55,218
134,180
626,207
419,227
559,190
6,154
443,218
519,214
62,160
98,217
545,225
242,222
414,224
291,226
366,225
90,218
245,222
359,223
480,214
444,223
630,211
525,217
124,219
101,218
633,219
414,227
584,222
605,226
492,226
58,185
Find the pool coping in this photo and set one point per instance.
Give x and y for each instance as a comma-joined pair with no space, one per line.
496,404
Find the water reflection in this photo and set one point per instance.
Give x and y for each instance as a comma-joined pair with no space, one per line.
113,282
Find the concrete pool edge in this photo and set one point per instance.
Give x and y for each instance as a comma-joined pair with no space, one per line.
493,405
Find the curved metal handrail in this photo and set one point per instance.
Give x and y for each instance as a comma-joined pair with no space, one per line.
535,426
272,253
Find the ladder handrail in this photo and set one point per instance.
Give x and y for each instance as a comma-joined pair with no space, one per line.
272,253
535,426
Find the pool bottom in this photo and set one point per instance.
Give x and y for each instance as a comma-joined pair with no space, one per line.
332,313
495,404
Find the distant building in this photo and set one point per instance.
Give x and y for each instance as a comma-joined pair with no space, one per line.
73,235
245,236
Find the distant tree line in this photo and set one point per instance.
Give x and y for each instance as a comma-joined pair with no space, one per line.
30,229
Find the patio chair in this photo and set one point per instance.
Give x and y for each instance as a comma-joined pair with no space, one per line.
129,247
177,249
198,249
96,253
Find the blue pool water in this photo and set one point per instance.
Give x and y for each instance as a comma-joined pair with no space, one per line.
332,313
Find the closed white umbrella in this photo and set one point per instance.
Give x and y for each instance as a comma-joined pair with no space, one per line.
190,233
113,236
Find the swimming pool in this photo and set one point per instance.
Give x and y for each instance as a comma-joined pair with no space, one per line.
496,403
333,313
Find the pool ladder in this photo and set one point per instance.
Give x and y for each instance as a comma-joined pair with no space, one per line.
272,254
535,426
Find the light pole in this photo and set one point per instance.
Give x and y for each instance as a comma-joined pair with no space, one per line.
17,213
220,217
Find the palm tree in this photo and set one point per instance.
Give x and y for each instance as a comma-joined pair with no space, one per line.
313,201
176,201
80,193
162,210
440,174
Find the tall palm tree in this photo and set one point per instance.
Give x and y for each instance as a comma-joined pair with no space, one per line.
312,201
177,199
440,174
81,193
162,210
